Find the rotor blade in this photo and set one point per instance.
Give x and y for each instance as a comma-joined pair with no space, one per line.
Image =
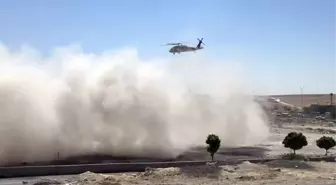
201,41
172,43
176,43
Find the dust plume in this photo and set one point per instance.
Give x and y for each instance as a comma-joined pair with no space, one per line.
78,103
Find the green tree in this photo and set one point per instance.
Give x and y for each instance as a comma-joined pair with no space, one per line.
213,142
326,143
295,141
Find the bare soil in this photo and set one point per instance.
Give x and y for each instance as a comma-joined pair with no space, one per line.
278,172
295,99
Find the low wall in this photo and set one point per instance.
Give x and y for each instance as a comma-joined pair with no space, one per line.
25,171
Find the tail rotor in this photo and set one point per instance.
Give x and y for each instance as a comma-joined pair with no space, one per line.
200,41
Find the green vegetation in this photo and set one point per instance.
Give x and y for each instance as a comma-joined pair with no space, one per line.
326,143
295,141
213,142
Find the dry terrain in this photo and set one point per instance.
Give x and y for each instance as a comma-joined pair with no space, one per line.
295,99
275,172
270,173
279,172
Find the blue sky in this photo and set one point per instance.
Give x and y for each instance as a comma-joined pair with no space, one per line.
282,44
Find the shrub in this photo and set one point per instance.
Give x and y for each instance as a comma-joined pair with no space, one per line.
295,141
326,143
213,142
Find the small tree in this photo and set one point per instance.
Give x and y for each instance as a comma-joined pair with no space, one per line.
295,141
213,142
326,143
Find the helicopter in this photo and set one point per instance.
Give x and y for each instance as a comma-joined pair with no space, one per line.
180,48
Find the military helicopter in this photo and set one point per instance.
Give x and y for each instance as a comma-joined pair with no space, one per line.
180,48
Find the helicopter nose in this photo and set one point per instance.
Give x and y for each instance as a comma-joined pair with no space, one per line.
171,50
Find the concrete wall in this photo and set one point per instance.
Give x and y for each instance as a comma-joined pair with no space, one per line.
25,171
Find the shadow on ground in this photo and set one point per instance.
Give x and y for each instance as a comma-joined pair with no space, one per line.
92,159
200,153
194,154
244,151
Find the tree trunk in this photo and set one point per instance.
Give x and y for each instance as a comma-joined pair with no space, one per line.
294,152
326,152
212,156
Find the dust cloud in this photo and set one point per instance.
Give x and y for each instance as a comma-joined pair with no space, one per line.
77,103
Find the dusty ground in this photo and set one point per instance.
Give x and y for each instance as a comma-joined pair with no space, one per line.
295,99
275,172
312,132
278,172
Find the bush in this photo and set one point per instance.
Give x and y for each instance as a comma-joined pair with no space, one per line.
295,141
326,143
213,142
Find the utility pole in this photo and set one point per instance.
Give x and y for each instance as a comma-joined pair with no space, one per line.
301,88
301,97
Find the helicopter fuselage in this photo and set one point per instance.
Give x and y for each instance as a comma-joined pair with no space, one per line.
183,48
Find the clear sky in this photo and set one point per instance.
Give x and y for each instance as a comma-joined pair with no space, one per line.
283,44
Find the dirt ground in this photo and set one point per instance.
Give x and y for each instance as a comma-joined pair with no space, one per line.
312,132
279,172
295,99
275,172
